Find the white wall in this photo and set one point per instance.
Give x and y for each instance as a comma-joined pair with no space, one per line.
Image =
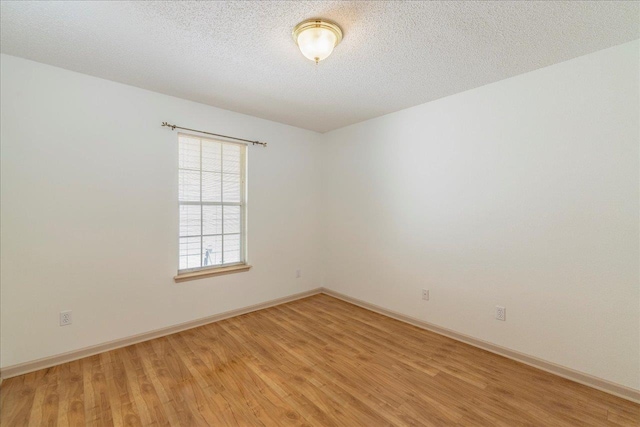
90,219
522,193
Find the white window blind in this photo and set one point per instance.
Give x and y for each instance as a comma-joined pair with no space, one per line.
211,193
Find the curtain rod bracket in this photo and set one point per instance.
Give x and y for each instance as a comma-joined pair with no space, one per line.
174,127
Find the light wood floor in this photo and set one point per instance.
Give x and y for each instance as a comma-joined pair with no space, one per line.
314,362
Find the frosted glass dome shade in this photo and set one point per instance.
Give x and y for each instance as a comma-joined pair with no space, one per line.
316,39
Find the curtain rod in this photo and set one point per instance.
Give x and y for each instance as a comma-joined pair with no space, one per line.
174,127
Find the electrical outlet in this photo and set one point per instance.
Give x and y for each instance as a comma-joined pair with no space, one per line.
501,313
65,318
425,294
298,274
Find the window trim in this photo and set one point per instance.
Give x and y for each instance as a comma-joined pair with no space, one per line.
208,271
211,271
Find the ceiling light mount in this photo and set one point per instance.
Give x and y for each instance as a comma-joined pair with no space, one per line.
316,38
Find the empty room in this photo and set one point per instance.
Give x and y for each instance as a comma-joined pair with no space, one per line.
320,213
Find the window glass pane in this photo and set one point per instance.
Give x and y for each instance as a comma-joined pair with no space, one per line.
189,153
211,187
190,220
190,252
211,156
230,188
210,175
231,158
188,186
212,219
212,246
231,248
231,219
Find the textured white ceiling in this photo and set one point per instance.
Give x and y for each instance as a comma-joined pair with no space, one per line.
240,55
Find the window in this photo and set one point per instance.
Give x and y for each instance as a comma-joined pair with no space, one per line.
211,194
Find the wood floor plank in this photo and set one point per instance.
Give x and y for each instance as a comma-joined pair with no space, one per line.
317,361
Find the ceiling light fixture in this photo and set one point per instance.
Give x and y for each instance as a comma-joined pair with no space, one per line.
316,38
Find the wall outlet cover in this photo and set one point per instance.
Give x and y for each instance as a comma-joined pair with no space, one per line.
501,313
65,318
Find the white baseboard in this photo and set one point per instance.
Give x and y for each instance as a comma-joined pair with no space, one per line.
579,377
573,375
47,362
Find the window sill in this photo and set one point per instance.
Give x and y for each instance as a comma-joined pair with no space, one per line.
210,272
